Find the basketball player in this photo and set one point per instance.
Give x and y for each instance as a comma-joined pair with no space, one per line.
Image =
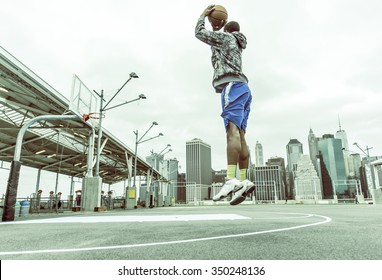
232,84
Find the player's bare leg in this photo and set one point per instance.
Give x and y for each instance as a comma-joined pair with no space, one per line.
244,153
234,144
233,154
246,186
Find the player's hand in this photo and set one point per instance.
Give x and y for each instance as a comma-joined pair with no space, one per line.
208,10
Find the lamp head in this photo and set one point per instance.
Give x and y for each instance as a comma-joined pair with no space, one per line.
133,75
142,96
155,123
160,134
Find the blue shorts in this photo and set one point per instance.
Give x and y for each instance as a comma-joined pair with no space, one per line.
236,100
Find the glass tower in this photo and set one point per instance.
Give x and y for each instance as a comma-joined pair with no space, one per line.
331,150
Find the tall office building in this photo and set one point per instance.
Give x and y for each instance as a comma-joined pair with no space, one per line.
326,182
279,161
341,134
294,152
169,170
198,169
354,162
313,148
331,151
259,157
198,162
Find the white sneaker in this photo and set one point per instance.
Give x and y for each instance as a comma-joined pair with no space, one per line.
246,188
230,186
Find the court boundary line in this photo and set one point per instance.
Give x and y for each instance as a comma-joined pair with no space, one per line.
130,219
128,246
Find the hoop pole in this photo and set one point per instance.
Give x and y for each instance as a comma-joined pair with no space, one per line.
99,137
13,181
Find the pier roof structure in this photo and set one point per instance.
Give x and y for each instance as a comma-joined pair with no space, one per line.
57,146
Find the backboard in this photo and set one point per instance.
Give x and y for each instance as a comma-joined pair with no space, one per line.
83,100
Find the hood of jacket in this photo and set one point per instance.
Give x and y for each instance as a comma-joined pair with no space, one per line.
241,39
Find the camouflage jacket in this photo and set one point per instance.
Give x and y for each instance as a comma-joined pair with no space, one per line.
226,54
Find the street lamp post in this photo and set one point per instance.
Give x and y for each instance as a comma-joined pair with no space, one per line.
155,157
168,151
162,162
139,141
132,75
168,146
104,109
367,149
92,185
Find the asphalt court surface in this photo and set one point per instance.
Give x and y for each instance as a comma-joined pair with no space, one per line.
262,232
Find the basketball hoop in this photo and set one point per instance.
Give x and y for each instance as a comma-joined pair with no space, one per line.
97,116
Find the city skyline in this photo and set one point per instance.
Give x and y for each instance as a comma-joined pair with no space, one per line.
49,179
353,150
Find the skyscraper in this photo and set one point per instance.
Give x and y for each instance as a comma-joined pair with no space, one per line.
354,164
198,162
341,134
313,148
198,168
279,161
169,169
259,157
294,152
331,151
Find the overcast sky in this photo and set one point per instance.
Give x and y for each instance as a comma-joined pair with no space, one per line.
309,63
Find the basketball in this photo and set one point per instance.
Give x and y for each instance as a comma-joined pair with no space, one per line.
217,15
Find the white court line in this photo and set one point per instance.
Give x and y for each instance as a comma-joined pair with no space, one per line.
129,219
285,218
325,220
